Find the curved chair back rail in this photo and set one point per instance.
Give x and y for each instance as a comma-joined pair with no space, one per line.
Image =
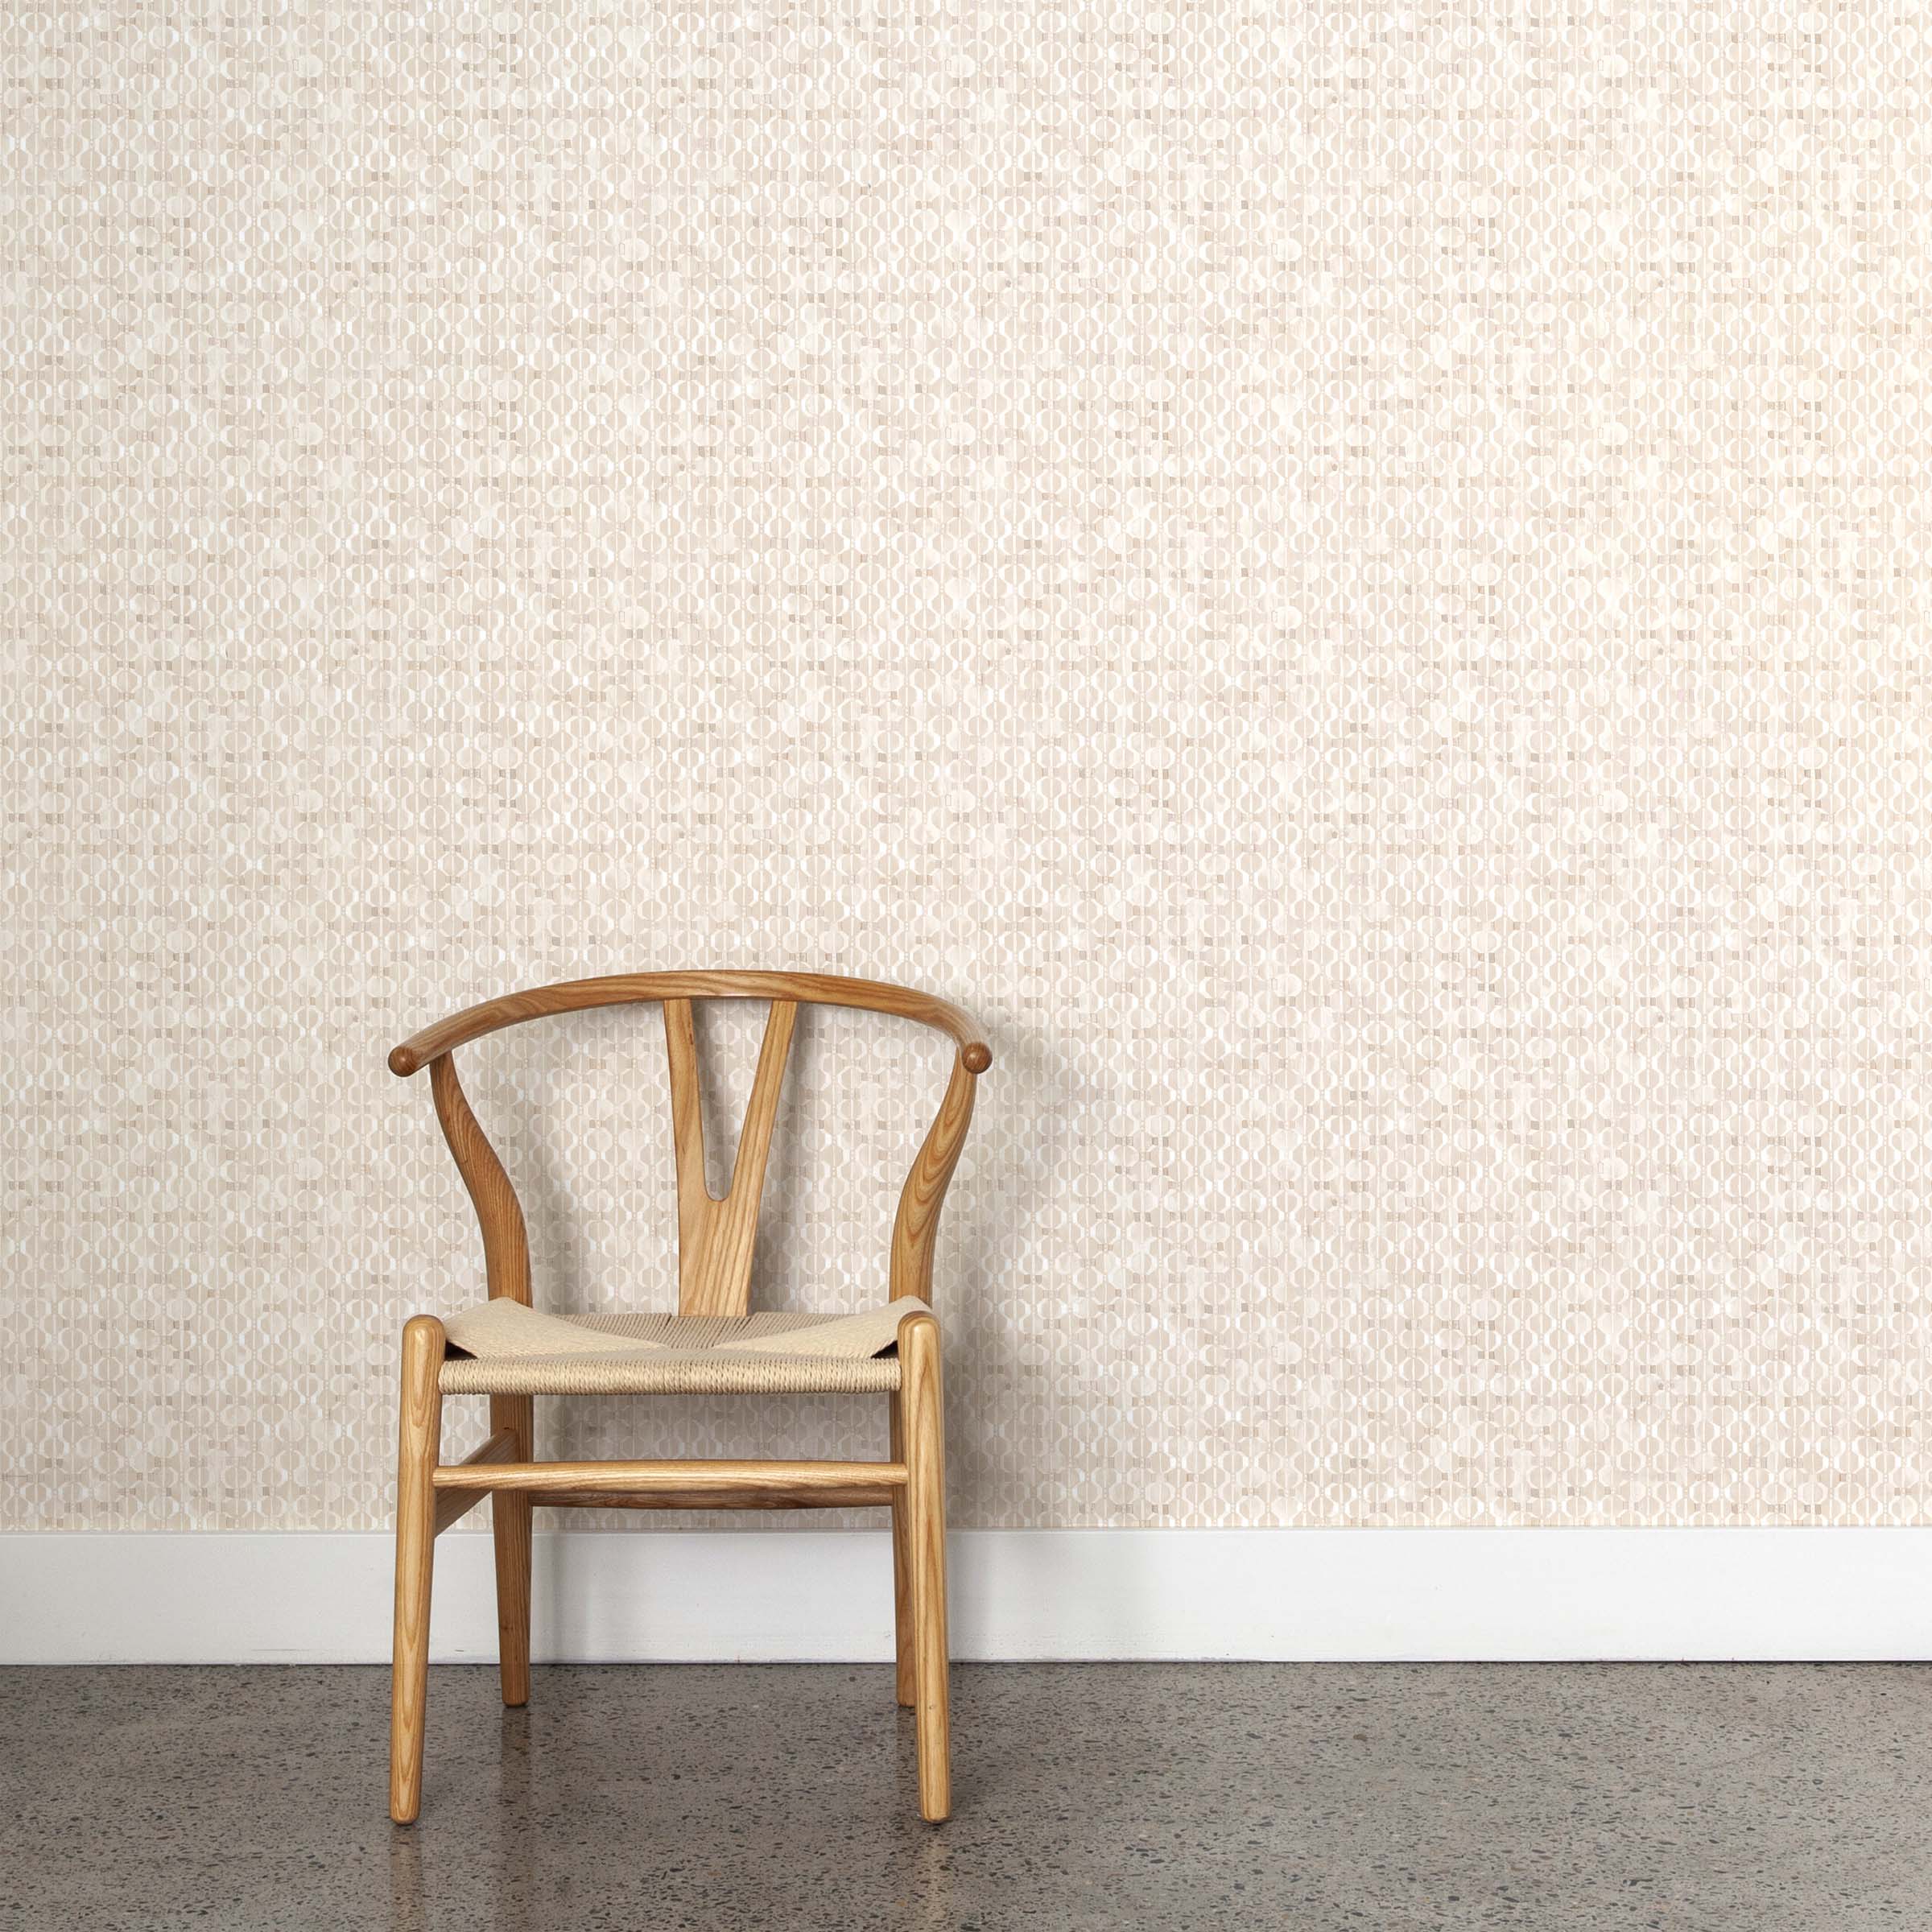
645,989
716,1235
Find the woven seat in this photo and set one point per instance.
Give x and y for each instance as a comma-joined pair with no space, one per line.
511,1350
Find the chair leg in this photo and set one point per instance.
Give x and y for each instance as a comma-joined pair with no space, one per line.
419,1444
902,1568
510,1519
924,1428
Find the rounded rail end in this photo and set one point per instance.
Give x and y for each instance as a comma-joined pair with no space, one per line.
976,1058
403,1061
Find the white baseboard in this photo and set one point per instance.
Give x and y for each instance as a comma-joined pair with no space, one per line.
816,1596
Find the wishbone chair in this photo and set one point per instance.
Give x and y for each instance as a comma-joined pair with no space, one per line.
506,1351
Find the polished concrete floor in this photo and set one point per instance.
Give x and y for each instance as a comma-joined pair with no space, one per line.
1372,1798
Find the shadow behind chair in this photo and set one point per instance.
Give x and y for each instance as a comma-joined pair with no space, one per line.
715,1241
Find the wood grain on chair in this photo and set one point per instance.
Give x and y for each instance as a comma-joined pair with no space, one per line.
716,1238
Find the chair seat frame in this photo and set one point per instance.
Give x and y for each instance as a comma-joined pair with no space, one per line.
716,1235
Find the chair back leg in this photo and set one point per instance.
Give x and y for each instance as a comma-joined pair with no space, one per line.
905,1686
419,1442
510,1524
923,1422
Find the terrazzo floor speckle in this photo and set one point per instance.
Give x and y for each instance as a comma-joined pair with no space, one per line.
1332,1797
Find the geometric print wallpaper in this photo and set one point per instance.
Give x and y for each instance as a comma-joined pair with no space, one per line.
1353,582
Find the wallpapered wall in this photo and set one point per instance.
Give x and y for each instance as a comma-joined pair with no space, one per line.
1353,579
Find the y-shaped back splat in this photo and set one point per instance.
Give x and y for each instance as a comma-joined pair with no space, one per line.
715,1236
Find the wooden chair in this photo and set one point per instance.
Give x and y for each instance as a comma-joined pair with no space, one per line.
714,1242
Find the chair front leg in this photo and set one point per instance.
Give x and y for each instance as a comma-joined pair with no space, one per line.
924,1425
509,1524
419,1444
